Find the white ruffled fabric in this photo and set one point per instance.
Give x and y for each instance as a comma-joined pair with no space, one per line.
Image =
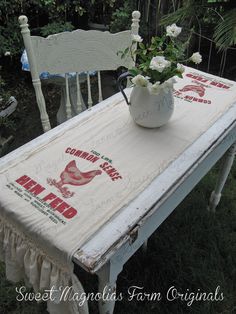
25,262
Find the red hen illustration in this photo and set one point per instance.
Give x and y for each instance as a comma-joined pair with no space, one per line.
73,176
200,90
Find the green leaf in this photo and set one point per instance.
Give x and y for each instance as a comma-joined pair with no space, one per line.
134,71
126,50
141,45
225,31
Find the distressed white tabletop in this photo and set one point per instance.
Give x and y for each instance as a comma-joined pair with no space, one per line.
97,251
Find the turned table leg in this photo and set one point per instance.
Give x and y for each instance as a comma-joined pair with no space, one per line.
145,246
107,276
4,142
224,172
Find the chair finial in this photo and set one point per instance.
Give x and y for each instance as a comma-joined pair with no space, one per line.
135,22
23,20
136,15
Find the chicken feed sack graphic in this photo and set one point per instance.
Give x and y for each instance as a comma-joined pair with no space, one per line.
72,176
64,191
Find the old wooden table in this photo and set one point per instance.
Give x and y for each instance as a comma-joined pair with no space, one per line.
120,237
107,252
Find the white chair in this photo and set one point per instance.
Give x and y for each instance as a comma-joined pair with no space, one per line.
76,51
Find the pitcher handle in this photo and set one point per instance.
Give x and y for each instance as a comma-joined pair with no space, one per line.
119,82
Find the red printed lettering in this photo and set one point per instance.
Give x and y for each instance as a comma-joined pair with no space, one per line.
62,207
220,85
197,77
84,155
72,151
70,213
116,178
49,197
79,153
56,202
29,184
37,189
22,180
111,171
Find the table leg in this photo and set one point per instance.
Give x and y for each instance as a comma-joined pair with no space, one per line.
4,142
107,276
145,246
224,172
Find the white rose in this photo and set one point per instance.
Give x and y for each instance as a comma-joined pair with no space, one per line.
173,30
154,89
140,80
180,68
137,38
159,63
7,53
196,58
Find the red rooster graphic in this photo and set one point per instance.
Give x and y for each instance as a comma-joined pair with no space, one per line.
72,175
200,90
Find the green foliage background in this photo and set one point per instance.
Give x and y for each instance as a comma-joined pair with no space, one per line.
59,15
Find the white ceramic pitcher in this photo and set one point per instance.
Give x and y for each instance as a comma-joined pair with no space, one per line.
148,110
